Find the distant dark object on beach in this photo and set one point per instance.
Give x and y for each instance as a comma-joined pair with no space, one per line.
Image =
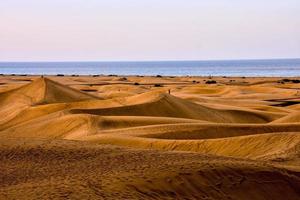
1,74
172,77
75,75
123,79
23,75
113,75
289,80
243,77
89,90
158,85
195,81
12,74
29,80
224,76
232,80
60,75
136,83
96,75
210,82
158,76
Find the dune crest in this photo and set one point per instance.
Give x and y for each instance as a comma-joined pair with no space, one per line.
165,105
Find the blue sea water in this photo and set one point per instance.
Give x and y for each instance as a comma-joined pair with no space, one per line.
275,67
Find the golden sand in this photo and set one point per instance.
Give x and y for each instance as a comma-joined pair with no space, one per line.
111,137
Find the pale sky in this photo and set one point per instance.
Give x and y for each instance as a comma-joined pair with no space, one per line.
116,30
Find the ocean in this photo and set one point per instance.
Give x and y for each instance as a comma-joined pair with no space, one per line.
269,68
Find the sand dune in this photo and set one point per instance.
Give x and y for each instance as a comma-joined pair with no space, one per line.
44,91
202,130
93,171
293,117
162,104
277,147
127,138
40,91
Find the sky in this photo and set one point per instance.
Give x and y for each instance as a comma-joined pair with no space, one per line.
122,30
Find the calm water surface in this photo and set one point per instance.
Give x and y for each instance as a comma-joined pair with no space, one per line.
282,67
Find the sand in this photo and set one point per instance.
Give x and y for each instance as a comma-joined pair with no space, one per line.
115,137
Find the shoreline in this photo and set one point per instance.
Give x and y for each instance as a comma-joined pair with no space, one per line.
153,76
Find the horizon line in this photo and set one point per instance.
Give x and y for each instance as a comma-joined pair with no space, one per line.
166,60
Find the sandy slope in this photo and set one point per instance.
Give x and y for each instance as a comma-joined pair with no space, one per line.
108,138
40,91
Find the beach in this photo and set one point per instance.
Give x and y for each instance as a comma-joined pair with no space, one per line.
149,137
